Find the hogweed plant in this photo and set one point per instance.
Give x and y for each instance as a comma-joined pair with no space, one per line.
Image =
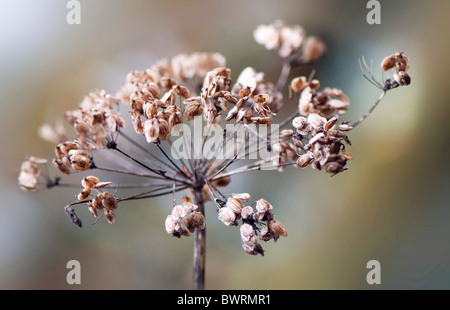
193,129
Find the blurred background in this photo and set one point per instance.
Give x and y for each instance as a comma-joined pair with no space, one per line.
391,206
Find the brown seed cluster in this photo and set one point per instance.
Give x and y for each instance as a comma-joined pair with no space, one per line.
104,201
234,210
400,62
70,154
327,103
184,220
290,42
96,119
30,171
174,92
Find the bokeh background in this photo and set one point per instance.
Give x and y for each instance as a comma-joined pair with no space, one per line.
392,205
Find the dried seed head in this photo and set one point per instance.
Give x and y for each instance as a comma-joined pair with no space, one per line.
301,124
80,163
170,224
263,205
163,129
388,63
313,48
193,110
92,209
27,181
109,201
178,212
298,83
182,91
247,233
30,168
316,121
305,160
247,213
109,215
265,234
276,228
235,205
194,220
90,181
84,194
151,130
227,216
188,206
242,196
61,166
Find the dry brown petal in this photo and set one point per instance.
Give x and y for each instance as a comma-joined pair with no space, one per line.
84,194
80,163
109,201
90,181
313,48
61,166
298,83
193,110
151,130
109,215
305,160
276,228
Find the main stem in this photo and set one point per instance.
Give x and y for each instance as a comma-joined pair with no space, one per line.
199,245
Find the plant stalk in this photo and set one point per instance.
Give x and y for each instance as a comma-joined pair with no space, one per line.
199,245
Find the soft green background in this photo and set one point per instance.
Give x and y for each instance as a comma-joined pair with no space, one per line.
392,205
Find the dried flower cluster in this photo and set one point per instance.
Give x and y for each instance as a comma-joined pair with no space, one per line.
172,95
233,209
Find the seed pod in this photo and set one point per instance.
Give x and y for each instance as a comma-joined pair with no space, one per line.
194,220
305,160
109,215
30,168
224,181
276,228
102,184
235,205
247,213
84,194
317,121
263,205
261,99
188,206
163,127
151,130
59,164
313,48
181,91
242,197
178,212
247,233
90,181
264,234
298,83
193,110
170,225
80,163
227,216
150,110
109,201
92,209
330,123
388,63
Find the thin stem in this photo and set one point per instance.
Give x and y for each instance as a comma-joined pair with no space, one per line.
199,245
285,70
370,110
